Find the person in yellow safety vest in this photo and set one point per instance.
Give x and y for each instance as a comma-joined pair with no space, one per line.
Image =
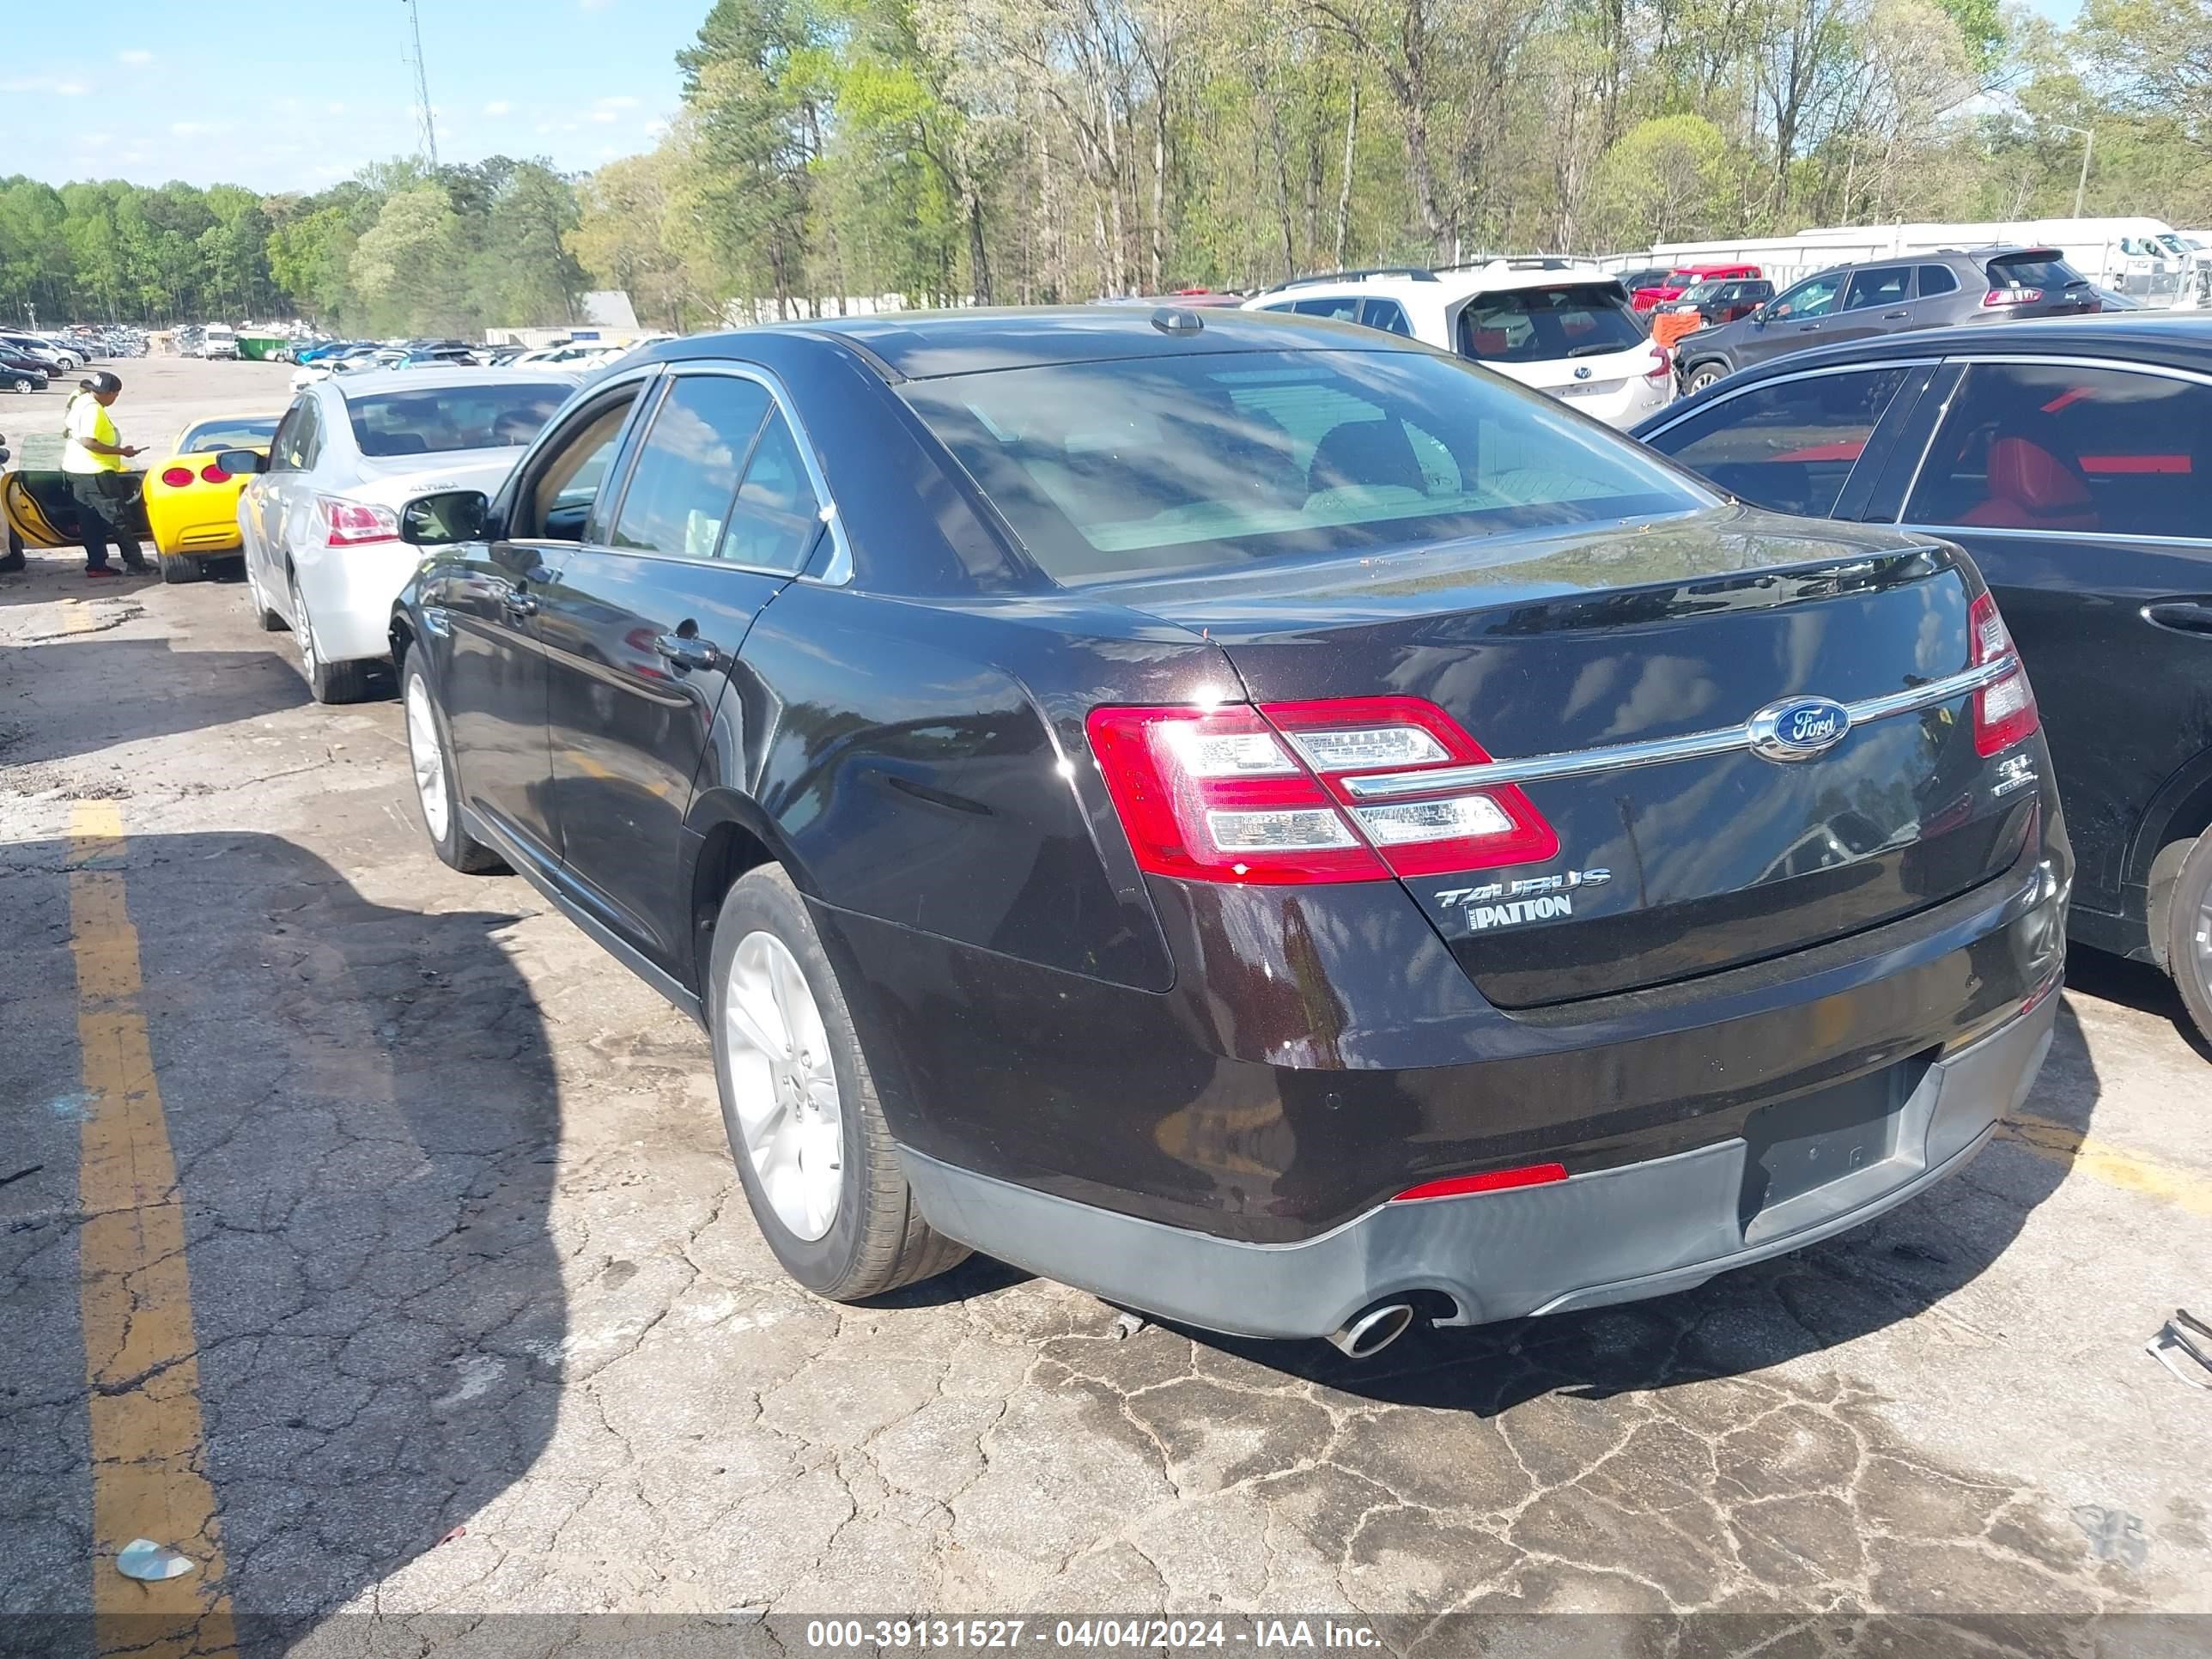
93,454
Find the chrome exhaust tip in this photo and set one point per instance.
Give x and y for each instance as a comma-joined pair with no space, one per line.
1368,1333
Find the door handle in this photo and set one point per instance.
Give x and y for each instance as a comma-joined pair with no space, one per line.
518,603
2182,615
687,650
1806,328
1894,316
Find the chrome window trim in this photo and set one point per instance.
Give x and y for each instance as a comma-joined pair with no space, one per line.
2159,371
1696,745
1772,380
2097,537
839,570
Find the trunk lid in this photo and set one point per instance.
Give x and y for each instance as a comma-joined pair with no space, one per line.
1560,645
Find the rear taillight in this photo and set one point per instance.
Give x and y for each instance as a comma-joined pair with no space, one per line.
2012,296
176,477
2004,710
355,524
1663,364
213,474
1238,793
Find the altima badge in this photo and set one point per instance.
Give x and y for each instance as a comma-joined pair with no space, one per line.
1798,728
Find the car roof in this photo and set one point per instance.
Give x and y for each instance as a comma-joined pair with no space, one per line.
1448,286
924,344
369,380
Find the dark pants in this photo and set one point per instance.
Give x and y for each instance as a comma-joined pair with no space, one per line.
97,513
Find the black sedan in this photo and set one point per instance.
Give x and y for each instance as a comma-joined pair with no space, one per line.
2074,461
1252,816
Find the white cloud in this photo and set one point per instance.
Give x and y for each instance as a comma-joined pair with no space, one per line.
189,128
59,89
594,5
616,103
497,106
138,57
334,109
71,88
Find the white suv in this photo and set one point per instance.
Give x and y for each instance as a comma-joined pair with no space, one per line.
1556,325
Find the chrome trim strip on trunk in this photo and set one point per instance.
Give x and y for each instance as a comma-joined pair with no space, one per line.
1696,745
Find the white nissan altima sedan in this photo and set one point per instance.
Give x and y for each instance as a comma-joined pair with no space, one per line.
319,523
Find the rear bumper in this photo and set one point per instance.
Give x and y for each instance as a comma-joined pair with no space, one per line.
350,593
1614,1234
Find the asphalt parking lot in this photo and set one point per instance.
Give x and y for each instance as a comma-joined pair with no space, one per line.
371,1239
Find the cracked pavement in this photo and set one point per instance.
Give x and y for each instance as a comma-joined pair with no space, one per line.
468,1262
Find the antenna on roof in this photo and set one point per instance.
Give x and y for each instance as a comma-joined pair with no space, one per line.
426,128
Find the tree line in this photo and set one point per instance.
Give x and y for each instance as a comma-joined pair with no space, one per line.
1015,151
401,249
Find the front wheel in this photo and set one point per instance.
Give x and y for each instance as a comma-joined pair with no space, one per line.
2188,933
812,1150
1703,375
430,758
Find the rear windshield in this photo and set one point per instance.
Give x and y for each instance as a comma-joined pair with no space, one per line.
1538,324
228,434
447,417
1202,461
2032,271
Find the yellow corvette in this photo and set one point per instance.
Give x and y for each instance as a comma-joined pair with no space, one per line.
192,504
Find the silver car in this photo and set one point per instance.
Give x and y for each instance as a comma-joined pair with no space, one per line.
319,522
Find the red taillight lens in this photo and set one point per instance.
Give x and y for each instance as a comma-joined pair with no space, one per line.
176,477
1258,795
1490,1180
2004,710
1663,364
213,474
2012,296
355,524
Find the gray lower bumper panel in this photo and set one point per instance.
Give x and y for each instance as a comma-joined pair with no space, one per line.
1608,1236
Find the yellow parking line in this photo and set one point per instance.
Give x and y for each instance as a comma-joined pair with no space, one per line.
148,1445
2102,1161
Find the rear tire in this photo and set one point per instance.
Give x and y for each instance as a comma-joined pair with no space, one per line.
872,1238
2188,933
180,567
327,682
437,797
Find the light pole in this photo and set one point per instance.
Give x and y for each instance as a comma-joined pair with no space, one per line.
2088,144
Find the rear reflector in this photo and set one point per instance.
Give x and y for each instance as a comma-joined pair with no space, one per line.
1245,794
176,477
2004,710
1490,1180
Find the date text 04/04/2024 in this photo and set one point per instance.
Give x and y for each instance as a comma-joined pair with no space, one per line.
1129,1634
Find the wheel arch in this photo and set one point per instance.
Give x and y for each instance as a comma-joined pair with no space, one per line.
728,835
2179,813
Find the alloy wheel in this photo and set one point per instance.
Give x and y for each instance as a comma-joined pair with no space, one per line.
790,1118
303,631
2201,936
428,757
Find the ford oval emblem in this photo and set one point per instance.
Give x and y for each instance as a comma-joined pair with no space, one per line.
1799,728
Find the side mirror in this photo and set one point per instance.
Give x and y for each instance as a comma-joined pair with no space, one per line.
237,462
450,516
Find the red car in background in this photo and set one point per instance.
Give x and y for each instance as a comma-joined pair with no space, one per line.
1684,277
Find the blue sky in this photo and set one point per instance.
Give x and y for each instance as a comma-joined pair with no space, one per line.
293,95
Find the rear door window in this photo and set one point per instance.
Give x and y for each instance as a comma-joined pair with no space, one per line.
777,514
2055,448
1385,314
1789,444
1541,324
685,477
1878,285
